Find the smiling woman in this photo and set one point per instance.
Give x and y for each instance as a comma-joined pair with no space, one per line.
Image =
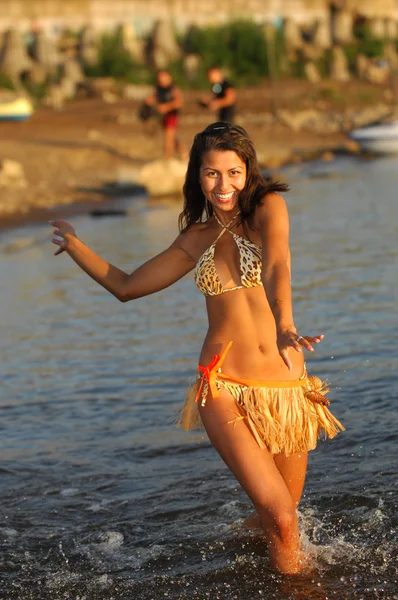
222,178
262,413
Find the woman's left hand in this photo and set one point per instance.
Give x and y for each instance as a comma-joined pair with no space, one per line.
63,232
287,339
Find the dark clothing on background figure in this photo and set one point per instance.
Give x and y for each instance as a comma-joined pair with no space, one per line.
163,96
226,113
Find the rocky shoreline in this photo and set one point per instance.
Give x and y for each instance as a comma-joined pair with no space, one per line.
73,159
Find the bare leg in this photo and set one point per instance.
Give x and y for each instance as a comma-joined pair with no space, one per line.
257,473
181,149
293,470
169,142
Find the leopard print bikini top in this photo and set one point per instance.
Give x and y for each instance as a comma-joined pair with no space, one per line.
206,276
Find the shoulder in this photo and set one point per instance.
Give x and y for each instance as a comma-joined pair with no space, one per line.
271,216
191,239
271,205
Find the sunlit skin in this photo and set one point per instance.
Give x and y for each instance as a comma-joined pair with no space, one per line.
222,177
259,320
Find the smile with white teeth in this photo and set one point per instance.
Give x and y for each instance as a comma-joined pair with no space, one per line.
225,196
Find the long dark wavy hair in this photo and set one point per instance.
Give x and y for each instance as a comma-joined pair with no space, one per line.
223,137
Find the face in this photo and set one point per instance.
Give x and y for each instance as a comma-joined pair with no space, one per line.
222,177
214,76
164,79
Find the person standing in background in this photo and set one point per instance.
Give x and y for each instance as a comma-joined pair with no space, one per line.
224,96
167,100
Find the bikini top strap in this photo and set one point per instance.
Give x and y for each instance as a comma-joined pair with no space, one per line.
224,227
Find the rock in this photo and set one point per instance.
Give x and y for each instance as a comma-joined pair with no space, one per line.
391,30
15,59
88,46
55,97
110,97
311,72
361,65
352,146
311,52
191,65
369,114
126,118
94,135
377,73
68,88
327,156
73,76
37,75
163,177
73,71
131,44
339,65
164,45
97,86
377,28
322,37
296,120
310,119
136,92
12,174
45,52
388,95
292,36
391,55
342,30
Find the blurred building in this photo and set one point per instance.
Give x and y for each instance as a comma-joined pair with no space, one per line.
54,14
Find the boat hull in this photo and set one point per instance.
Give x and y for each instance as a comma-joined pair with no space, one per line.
378,139
16,110
14,117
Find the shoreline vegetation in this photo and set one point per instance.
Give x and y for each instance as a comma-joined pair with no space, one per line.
300,91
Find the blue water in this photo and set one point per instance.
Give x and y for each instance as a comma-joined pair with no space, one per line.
103,498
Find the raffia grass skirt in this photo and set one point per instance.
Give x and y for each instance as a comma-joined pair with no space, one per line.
284,417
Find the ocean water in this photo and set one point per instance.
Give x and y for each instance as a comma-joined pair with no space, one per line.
103,498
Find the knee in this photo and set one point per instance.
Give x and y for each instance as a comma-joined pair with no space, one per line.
286,524
282,521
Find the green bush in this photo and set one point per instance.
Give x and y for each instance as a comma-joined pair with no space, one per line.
5,82
365,43
114,62
239,46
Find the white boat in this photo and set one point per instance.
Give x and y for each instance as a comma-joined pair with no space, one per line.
18,109
379,138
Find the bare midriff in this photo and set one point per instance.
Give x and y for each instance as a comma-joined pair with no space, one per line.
244,317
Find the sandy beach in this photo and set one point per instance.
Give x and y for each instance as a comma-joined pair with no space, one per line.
73,157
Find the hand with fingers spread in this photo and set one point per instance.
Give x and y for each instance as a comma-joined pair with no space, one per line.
289,338
64,231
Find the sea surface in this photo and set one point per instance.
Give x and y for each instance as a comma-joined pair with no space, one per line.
102,497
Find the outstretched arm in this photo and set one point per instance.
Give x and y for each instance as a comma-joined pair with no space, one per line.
274,226
228,100
156,274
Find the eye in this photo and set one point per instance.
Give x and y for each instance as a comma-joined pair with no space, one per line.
212,174
235,172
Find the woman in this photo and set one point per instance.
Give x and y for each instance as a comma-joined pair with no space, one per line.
259,409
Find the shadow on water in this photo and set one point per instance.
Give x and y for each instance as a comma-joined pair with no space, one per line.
102,497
